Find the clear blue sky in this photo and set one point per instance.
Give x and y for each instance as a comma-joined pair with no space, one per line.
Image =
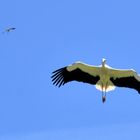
51,34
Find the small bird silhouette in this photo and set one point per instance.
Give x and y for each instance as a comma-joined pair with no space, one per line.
9,30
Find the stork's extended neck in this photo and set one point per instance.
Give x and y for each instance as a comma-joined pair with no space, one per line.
103,62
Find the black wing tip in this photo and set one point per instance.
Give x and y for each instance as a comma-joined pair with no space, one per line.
58,77
59,70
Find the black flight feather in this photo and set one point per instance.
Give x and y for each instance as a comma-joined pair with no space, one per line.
129,82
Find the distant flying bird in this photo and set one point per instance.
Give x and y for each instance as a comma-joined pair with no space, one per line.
9,29
103,77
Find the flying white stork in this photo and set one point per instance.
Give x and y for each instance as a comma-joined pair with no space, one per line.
103,77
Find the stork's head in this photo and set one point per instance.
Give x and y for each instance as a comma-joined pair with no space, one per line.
103,62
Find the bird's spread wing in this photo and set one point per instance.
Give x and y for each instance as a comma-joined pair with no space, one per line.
125,78
76,72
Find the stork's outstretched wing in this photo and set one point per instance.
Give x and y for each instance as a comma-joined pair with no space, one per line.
76,72
125,78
